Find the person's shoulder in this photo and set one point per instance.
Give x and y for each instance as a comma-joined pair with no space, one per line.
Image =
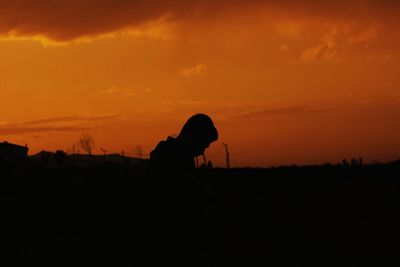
165,147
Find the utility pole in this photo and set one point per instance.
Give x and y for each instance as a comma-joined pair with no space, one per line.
228,163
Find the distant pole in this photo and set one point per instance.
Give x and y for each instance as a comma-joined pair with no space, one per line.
228,163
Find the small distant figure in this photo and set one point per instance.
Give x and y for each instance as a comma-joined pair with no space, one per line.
179,236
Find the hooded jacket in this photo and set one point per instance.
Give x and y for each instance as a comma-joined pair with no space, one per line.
171,161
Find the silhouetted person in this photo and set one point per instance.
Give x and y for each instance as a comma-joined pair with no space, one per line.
179,235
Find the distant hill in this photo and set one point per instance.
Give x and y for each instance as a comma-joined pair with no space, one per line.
82,160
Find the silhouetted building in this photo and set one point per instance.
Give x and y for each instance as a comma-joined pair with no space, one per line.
12,152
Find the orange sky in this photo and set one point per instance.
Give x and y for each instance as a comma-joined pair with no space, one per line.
286,83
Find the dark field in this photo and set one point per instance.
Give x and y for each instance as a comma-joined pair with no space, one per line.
293,216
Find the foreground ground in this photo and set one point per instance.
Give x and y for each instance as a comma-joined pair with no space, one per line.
70,216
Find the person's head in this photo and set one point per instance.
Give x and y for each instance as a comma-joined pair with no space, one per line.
198,133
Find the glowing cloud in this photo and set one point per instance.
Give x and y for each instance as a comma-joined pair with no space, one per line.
197,70
285,111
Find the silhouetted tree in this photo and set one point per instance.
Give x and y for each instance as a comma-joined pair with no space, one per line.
86,142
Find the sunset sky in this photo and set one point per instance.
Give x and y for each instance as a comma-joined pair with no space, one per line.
286,82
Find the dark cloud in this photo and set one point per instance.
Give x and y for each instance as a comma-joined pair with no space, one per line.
28,130
70,119
290,111
69,19
55,124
